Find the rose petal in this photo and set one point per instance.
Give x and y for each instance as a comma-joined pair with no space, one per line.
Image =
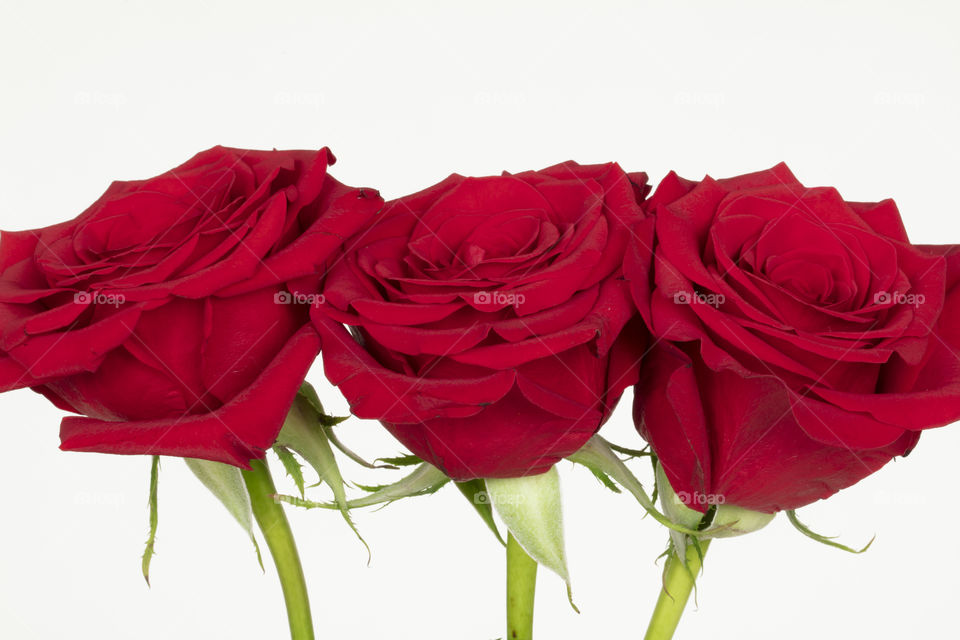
240,430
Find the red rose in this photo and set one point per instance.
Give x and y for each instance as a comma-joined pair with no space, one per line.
803,341
159,312
487,316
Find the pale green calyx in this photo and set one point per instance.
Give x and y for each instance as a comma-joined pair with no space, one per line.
530,507
679,513
225,482
731,520
726,521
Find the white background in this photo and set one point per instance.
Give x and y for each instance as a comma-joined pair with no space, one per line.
859,95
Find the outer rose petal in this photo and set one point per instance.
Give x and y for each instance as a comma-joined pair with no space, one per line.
240,430
242,333
638,266
883,217
928,394
722,434
669,415
378,393
474,447
13,375
59,354
346,211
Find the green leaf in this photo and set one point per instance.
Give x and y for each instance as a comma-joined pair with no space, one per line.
697,546
597,454
332,421
335,441
370,488
631,453
605,480
293,467
677,512
423,480
656,463
475,491
154,519
309,394
530,507
802,528
225,482
401,461
303,433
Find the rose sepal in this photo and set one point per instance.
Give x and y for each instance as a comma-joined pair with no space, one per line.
423,480
720,520
305,432
530,507
599,456
225,482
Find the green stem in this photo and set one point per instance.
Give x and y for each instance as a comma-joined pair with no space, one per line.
521,587
678,581
273,523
